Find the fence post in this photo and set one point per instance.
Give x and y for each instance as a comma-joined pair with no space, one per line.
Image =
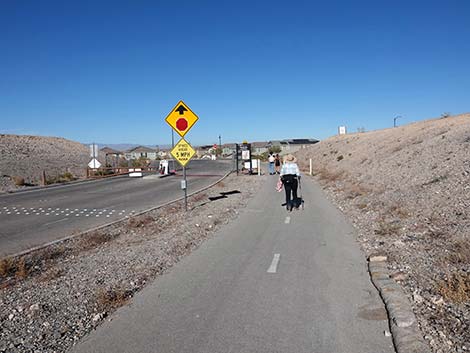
43,178
310,166
259,167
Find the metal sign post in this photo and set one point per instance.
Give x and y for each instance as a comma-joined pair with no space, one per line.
184,187
181,119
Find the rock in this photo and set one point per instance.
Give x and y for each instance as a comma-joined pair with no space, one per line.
417,298
11,316
387,333
34,308
97,317
398,276
378,258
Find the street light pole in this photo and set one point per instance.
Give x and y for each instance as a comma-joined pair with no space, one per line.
395,120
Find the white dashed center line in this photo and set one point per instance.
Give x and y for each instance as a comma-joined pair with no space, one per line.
274,263
287,221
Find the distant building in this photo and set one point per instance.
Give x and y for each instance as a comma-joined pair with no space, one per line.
292,145
259,147
228,149
141,152
111,152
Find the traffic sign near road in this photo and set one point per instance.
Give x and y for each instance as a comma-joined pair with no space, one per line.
181,118
183,152
94,164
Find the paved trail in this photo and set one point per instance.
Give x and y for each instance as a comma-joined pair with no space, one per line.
272,281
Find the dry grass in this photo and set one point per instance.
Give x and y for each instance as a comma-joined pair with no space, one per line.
199,197
329,176
51,274
112,298
460,252
397,210
220,184
361,206
355,190
387,228
17,268
7,267
22,269
92,240
455,288
140,221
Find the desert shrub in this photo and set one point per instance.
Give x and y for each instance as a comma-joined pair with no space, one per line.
339,158
19,181
112,298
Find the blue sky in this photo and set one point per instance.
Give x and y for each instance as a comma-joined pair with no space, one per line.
252,70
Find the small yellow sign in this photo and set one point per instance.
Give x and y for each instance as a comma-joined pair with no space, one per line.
181,118
183,152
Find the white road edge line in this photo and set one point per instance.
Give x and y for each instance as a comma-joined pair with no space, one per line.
60,220
287,221
274,263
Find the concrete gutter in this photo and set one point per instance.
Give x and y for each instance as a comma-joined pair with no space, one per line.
406,334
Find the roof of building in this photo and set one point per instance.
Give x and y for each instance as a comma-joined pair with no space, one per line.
259,144
140,149
301,141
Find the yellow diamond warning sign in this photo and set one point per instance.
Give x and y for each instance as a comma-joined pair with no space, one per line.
181,118
183,152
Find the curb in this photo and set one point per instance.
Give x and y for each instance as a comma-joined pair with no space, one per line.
407,337
61,240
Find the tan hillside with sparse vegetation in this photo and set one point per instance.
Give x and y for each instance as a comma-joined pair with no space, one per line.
24,158
407,191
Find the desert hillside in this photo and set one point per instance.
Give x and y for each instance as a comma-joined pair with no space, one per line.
27,156
407,190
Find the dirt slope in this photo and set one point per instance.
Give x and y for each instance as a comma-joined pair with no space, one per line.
407,190
27,156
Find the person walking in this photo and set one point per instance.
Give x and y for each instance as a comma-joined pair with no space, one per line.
289,175
271,164
277,164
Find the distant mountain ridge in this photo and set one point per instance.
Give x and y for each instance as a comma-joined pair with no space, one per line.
126,146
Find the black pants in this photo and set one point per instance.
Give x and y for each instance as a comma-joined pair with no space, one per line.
290,185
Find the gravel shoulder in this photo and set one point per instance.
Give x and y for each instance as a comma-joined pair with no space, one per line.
52,298
407,192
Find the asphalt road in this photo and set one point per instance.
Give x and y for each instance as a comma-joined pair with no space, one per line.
270,281
32,218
